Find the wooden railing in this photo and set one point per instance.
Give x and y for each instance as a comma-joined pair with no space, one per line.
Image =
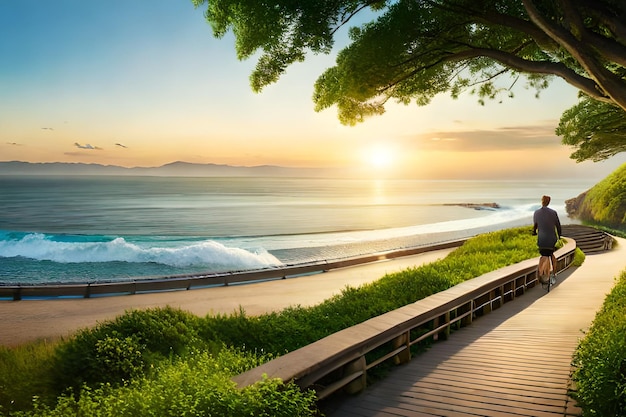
188,282
341,360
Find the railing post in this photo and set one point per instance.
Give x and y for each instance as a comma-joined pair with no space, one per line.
522,288
358,365
489,308
405,355
467,320
446,333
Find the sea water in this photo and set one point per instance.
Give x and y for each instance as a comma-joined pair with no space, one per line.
98,229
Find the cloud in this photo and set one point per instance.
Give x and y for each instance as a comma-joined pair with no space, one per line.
87,146
47,128
502,139
120,145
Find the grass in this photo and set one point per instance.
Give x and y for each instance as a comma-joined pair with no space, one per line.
600,358
26,371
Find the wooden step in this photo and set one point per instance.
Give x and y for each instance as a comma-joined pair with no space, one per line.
588,239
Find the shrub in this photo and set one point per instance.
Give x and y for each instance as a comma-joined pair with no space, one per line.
122,358
198,386
579,257
118,350
600,359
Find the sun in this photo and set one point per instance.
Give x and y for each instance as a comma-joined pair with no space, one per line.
380,156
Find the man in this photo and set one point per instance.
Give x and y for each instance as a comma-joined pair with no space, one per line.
547,222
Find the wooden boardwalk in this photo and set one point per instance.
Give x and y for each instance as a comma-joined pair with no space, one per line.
513,362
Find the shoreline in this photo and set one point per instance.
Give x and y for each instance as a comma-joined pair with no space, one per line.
51,319
147,285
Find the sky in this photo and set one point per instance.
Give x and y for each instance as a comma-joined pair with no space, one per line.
145,83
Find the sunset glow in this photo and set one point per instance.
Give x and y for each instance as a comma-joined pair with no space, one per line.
380,156
82,85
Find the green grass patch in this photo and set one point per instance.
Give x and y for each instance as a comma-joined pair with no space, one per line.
26,371
600,358
614,232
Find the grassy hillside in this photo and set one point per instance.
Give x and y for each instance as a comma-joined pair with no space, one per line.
605,203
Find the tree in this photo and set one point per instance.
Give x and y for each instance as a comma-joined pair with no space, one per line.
412,50
596,129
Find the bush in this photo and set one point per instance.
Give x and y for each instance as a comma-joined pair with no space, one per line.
600,358
197,386
122,349
579,257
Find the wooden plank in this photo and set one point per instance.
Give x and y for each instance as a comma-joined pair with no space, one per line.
441,406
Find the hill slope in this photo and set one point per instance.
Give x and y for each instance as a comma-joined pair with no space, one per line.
604,204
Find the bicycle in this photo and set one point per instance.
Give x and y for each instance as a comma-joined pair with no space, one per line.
545,274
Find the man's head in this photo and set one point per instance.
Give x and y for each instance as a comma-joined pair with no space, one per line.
545,200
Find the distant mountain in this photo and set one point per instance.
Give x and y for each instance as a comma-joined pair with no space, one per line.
174,169
59,168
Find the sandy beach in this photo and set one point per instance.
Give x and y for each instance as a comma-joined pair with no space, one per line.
30,320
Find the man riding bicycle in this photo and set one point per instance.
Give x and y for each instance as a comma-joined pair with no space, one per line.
546,222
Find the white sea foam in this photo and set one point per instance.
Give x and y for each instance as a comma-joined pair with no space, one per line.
205,253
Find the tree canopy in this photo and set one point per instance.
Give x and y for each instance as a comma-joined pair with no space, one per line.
412,50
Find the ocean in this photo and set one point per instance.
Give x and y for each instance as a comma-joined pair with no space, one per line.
99,229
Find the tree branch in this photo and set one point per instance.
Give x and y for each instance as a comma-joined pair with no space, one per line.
612,51
608,84
614,23
606,47
544,41
346,18
584,84
542,67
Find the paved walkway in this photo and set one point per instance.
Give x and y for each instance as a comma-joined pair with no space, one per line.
515,361
29,320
